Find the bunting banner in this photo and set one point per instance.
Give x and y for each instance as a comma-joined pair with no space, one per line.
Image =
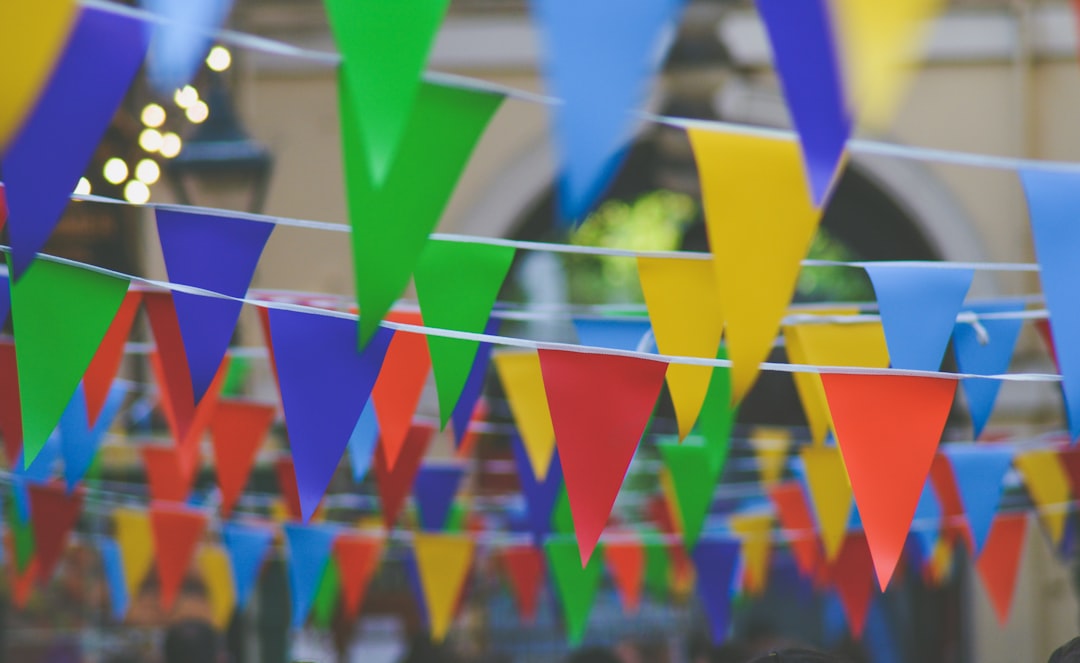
988,353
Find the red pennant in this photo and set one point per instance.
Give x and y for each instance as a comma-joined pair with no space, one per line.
600,405
165,472
626,564
10,406
237,430
1043,327
177,532
401,382
1000,561
358,558
468,440
53,514
1070,460
524,566
888,428
171,368
100,374
286,478
798,523
396,484
952,509
264,325
22,584
852,575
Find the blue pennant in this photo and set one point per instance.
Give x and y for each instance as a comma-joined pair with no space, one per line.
180,42
362,442
434,489
614,334
113,562
979,471
540,496
247,547
989,355
309,548
79,441
927,521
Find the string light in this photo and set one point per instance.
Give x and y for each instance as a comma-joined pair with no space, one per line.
83,187
153,116
219,59
198,112
147,171
150,140
170,145
186,96
115,170
136,192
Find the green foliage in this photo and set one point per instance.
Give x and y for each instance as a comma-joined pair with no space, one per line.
833,283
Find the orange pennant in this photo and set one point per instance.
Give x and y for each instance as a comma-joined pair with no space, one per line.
524,566
798,523
22,583
100,374
888,428
852,576
53,514
401,382
290,495
358,558
177,532
999,562
165,474
237,430
626,563
953,522
396,483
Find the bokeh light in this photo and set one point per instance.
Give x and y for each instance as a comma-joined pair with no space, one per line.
136,192
147,171
153,116
219,58
170,145
115,170
150,140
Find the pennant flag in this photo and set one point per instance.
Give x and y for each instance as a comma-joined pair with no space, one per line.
62,312
626,564
524,567
601,73
716,562
760,219
798,524
755,530
79,441
237,430
657,567
5,285
216,572
1070,462
326,595
770,451
169,364
539,495
987,355
457,284
688,321
1048,486
247,546
1043,327
325,383
811,393
575,584
166,475
400,384
54,514
434,490
979,472
616,333
44,160
1052,198
285,474
436,141
851,574
362,442
928,517
999,563
948,495
358,559
693,480
180,41
395,484
136,542
918,311
309,548
3,201
468,402
600,405
888,427
806,60
523,382
100,375
442,562
177,531
113,567
214,253
21,533
830,494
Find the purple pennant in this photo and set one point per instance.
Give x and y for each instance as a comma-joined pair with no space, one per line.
44,162
540,496
805,56
434,489
325,384
716,562
215,253
474,385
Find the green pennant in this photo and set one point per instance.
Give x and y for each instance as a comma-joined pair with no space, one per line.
657,568
457,519
576,586
391,220
457,284
326,596
60,313
694,480
562,519
717,417
385,47
22,536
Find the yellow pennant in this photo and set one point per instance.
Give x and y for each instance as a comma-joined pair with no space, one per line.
881,40
756,549
771,446
687,320
761,220
860,344
136,543
830,495
31,42
1048,486
671,499
941,561
524,385
217,576
442,561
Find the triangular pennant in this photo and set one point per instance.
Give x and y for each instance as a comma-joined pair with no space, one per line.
999,563
169,363
136,542
524,566
1070,462
600,405
326,595
177,532
79,441
437,140
395,484
717,417
693,482
401,383
325,383
851,574
986,354
888,427
62,312
616,333
928,518
434,489
523,381
3,196
181,39
755,530
770,447
657,567
166,475
625,560
918,311
469,401
10,404
113,569
20,529
214,253
716,562
53,514
5,289
830,494
237,430
456,284
285,474
247,545
216,571
22,584
575,584
308,551
760,219
600,72
948,496
100,375
688,321
806,59
362,442
358,557
811,393
539,495
795,518
979,472
1048,486
442,562
1043,327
